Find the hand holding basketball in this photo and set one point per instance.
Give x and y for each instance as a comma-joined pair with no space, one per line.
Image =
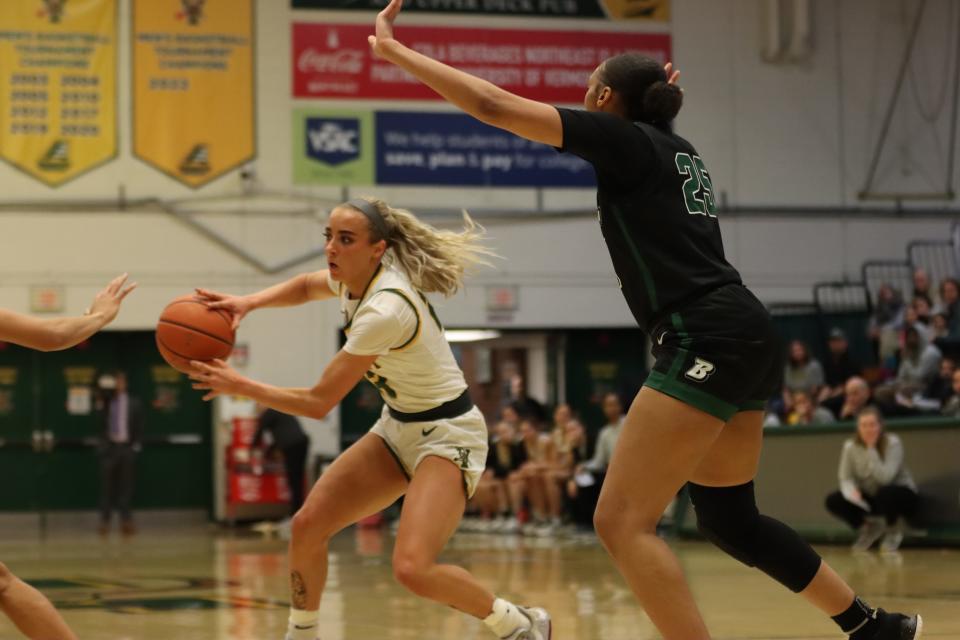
215,376
236,306
384,26
107,302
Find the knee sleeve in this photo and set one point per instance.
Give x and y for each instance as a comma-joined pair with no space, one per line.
728,517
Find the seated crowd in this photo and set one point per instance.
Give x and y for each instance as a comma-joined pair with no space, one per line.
541,477
916,348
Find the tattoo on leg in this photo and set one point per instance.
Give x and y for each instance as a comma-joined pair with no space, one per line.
298,590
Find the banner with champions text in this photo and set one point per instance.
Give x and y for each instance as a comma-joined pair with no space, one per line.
193,87
654,10
550,65
58,68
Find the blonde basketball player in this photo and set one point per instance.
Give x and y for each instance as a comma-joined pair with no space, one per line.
29,610
430,442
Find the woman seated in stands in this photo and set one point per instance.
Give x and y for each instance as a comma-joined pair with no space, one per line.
919,365
876,489
949,308
805,411
802,372
885,323
498,510
570,452
951,407
533,479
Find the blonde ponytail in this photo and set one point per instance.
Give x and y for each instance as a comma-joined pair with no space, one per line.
435,260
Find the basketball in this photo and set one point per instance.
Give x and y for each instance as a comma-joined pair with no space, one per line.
189,330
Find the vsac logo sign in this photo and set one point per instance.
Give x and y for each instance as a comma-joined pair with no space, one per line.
333,141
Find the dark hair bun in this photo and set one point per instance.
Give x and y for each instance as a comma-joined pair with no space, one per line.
661,102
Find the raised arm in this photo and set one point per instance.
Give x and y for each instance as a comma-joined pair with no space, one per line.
297,290
483,100
55,334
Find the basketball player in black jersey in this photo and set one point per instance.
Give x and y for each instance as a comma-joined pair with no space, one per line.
698,418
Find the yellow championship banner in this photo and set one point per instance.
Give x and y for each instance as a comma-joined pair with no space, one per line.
193,88
58,69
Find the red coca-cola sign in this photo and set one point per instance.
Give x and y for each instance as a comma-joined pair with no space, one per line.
335,61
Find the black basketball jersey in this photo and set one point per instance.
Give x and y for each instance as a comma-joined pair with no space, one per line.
657,211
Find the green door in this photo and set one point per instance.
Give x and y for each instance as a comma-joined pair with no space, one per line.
49,427
19,435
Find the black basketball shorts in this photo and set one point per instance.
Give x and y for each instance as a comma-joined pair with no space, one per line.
719,353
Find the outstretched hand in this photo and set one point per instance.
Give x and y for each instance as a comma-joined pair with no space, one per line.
214,376
107,301
236,306
672,76
384,27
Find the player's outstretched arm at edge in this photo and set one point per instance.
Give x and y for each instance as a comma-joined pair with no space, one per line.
483,100
341,375
298,290
56,334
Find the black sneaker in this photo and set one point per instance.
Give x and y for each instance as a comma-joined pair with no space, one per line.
896,626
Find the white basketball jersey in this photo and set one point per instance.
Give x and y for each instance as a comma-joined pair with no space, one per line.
415,371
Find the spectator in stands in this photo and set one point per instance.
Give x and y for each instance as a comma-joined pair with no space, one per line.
939,326
509,415
806,412
584,488
839,365
560,436
801,373
922,286
932,398
562,414
886,320
941,388
919,361
922,306
535,479
876,489
919,364
570,453
497,509
950,306
856,396
951,407
525,406
912,320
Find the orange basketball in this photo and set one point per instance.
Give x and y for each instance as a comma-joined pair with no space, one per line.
189,330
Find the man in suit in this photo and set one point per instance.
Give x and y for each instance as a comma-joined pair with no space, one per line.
120,441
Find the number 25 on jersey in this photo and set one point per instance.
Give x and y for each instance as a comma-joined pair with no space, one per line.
697,188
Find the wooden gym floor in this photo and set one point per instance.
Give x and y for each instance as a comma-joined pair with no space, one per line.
193,582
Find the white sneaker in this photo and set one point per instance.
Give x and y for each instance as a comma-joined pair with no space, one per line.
510,525
891,540
484,526
540,625
264,526
870,531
